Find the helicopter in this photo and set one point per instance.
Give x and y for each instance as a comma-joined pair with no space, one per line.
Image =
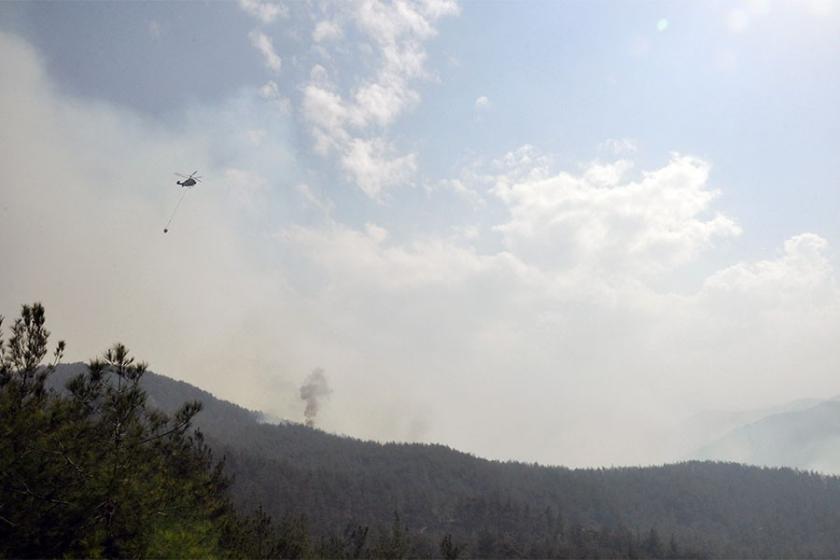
189,180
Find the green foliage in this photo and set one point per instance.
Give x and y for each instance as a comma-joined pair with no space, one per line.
89,468
257,536
177,539
98,473
393,544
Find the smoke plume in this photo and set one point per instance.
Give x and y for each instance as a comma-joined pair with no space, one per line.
314,388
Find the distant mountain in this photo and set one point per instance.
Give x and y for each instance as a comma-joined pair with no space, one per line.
708,426
513,509
806,438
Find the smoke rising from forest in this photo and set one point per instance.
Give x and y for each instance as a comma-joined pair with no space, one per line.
430,324
314,389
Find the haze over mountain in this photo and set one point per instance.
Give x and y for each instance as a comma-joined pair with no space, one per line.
483,221
806,437
717,509
487,279
708,426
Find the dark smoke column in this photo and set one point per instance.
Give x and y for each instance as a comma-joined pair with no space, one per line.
314,387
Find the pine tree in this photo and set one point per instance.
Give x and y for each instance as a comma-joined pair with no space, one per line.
448,550
99,473
393,544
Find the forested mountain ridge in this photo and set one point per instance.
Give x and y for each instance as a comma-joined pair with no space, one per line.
95,471
718,509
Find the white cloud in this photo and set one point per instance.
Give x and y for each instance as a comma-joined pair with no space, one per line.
468,193
618,146
612,361
100,178
315,200
353,123
263,43
481,106
439,8
525,163
327,113
380,102
327,30
606,174
602,221
374,168
482,103
376,233
469,233
256,135
489,338
614,364
362,259
270,91
803,273
266,12
247,188
369,162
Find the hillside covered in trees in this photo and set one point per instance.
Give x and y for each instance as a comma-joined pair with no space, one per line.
104,459
493,508
514,509
95,471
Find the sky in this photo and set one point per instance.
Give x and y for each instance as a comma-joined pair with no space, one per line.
540,231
